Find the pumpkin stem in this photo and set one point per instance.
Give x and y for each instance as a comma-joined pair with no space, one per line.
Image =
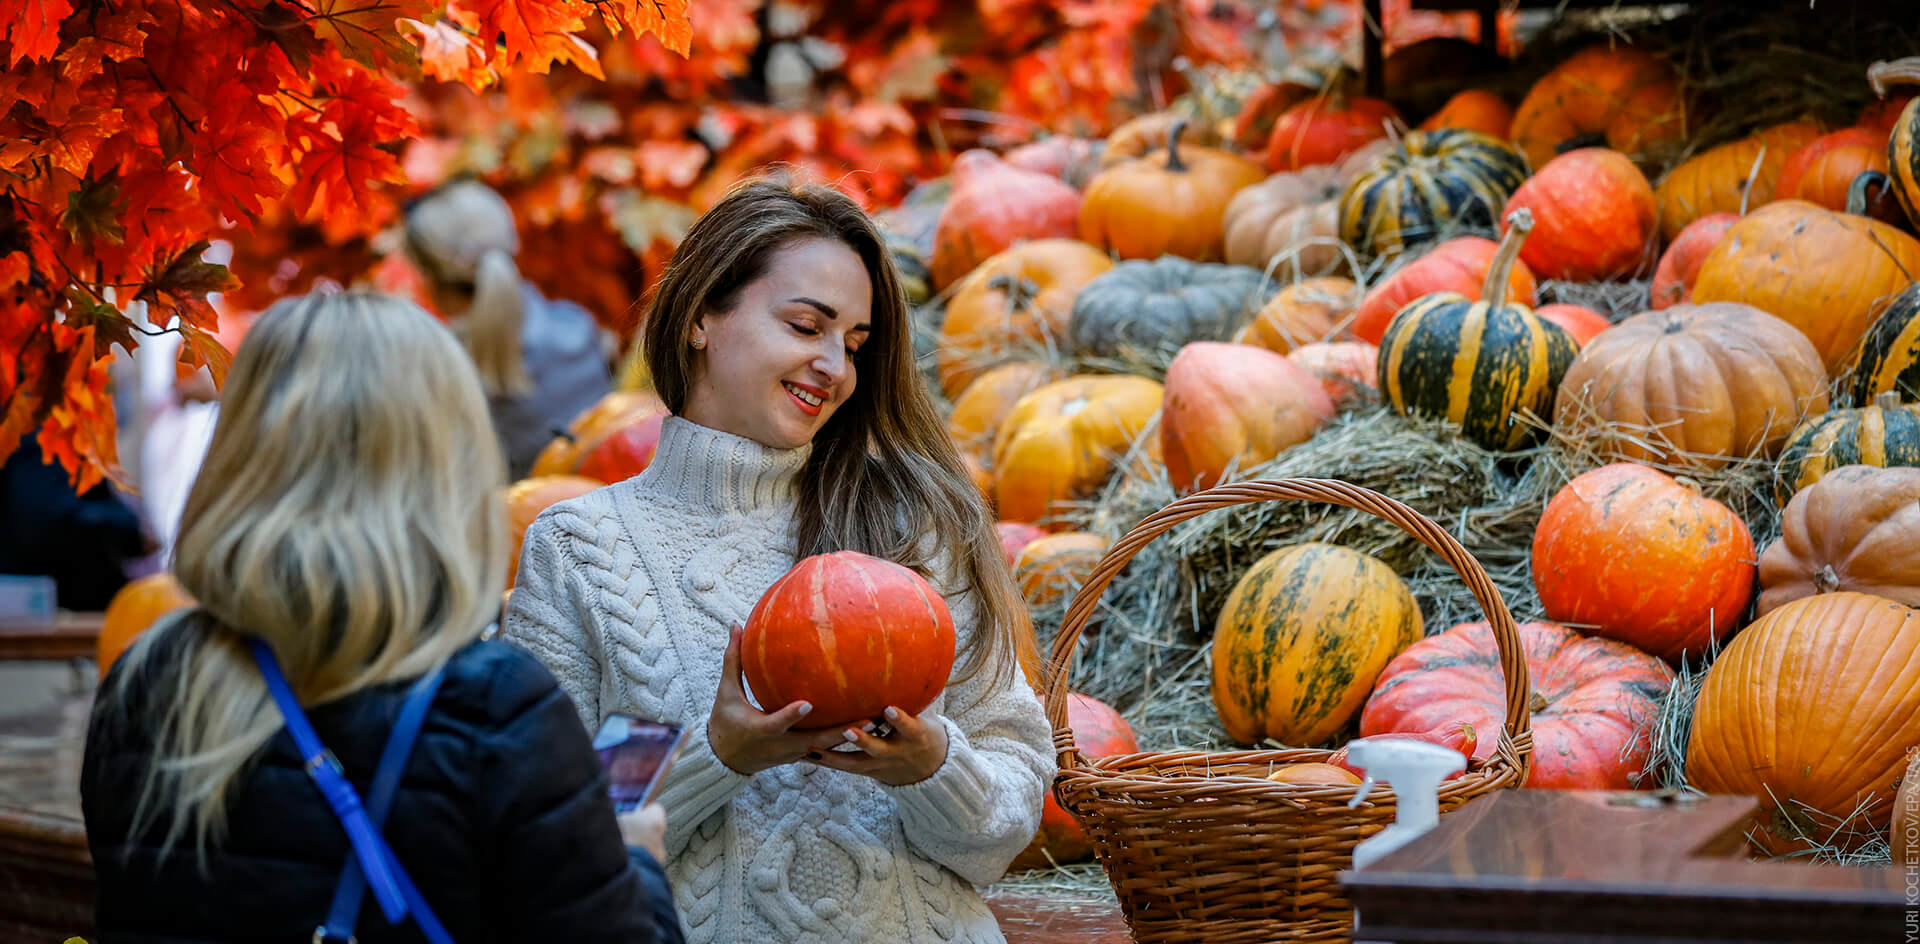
1904,71
1020,290
1868,187
1826,581
1174,163
1536,703
1519,224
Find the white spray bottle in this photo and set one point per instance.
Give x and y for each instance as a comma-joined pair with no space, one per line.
1414,770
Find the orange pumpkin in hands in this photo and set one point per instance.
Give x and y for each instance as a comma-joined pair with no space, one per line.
527,498
1170,202
852,635
132,611
1633,555
1594,217
992,206
1680,265
1098,731
1457,265
1234,406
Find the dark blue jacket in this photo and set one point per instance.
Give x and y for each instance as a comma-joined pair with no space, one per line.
502,818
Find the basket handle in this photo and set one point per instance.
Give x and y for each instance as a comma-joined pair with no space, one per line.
1515,745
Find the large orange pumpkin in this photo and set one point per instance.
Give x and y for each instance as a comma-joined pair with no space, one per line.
527,498
1060,442
1170,202
1828,274
1679,266
1814,707
1821,172
1301,639
1594,217
1735,177
1855,529
850,634
1017,303
1625,94
1098,731
1457,265
1301,314
1633,555
134,609
992,206
1234,406
983,406
1591,704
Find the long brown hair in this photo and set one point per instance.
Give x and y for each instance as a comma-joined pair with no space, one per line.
886,447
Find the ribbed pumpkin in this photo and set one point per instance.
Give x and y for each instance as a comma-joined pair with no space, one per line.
1458,265
1821,172
1815,705
1296,216
1060,441
852,635
994,205
1347,369
1633,555
1883,433
1625,94
133,610
1590,707
1141,313
1855,529
1301,639
527,498
1052,569
1903,140
1476,364
1325,129
1234,406
1679,266
1098,731
1019,301
1594,217
1582,323
1434,182
1147,133
1473,110
985,404
1828,274
1692,385
586,430
1303,313
1890,353
1170,202
1736,177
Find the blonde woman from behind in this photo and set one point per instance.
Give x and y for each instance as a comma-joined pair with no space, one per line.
348,517
542,360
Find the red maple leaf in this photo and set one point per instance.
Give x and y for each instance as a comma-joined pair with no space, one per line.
367,30
666,19
33,28
339,169
449,53
529,29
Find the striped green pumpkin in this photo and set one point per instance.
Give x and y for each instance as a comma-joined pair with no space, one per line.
1890,353
1477,364
1434,183
1884,433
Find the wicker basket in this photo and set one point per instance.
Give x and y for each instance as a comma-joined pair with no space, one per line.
1200,848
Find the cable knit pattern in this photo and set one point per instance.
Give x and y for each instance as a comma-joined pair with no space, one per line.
626,593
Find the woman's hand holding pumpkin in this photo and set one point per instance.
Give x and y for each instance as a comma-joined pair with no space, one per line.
749,740
910,753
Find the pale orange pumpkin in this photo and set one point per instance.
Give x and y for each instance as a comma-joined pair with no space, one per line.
1171,202
1234,406
985,403
1735,177
1018,302
1302,313
1854,529
1060,442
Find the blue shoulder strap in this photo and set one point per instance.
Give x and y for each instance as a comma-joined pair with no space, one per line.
392,887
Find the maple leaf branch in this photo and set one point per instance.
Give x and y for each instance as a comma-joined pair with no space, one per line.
167,93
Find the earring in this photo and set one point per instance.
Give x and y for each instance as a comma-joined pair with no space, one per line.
699,343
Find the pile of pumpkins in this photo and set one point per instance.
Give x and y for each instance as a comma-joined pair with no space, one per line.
1202,295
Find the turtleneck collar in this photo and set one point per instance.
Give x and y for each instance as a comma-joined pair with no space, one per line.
710,468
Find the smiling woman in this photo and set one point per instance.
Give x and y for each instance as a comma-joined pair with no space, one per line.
778,340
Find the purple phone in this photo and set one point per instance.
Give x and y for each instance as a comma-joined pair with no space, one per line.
635,755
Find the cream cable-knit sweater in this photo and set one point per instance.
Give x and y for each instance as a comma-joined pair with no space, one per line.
626,593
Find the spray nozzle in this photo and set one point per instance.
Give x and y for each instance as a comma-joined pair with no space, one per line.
1407,766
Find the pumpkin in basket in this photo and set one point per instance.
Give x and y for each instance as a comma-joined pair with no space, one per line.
1050,570
1813,707
1098,731
1325,129
994,205
1473,110
1903,139
1589,708
1432,183
1060,442
1458,265
1581,323
1141,313
1314,773
1631,554
134,609
1822,171
1694,385
1170,202
1018,301
853,635
1828,274
1234,406
1855,529
527,498
1302,637
1735,177
983,406
1885,432
1346,369
1302,313
1679,266
1476,364
1889,359
1625,94
1594,217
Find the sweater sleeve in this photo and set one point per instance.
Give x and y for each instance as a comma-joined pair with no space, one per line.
550,614
697,786
982,807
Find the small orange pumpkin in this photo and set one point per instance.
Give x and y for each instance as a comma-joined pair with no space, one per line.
1680,265
1234,406
527,498
985,403
1170,202
1059,442
1583,323
992,206
1458,265
1018,302
1822,171
1735,177
1301,314
132,611
1594,217
1347,369
1053,568
1473,110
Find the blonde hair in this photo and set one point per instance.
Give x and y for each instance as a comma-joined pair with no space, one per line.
884,448
463,239
348,513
